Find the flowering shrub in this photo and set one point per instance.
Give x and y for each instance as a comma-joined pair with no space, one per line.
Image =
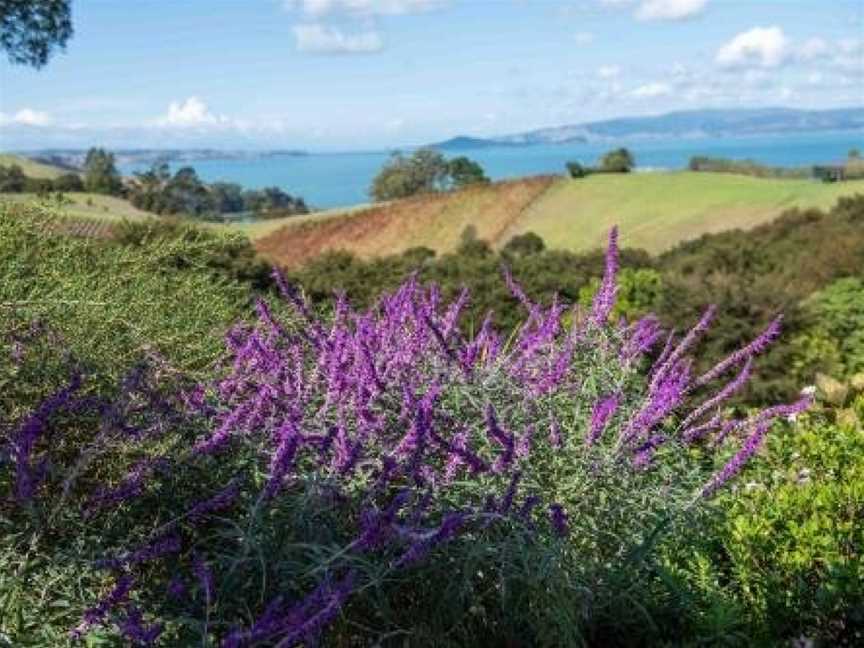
387,475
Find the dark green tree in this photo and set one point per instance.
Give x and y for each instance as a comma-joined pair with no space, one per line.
68,182
30,30
576,170
424,171
100,173
524,245
464,172
619,160
12,179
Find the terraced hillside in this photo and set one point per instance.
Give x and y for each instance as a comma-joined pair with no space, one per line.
654,210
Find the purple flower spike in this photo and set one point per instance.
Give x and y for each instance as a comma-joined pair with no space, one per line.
756,347
604,300
734,466
97,614
600,415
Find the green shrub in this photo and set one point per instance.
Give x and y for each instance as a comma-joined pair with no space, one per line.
113,303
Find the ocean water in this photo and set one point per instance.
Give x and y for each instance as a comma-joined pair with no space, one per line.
327,180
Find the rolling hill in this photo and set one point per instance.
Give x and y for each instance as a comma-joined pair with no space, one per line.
654,211
31,168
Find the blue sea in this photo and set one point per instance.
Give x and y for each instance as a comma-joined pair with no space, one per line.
327,180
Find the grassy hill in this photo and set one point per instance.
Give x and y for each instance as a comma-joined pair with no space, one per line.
88,206
31,168
655,211
433,221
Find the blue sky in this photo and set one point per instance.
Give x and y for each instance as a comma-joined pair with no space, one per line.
359,74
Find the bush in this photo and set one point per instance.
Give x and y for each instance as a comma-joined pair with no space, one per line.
111,303
381,475
793,537
576,170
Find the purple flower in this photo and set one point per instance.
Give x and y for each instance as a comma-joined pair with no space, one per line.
756,347
525,443
678,352
643,455
604,300
24,439
509,496
163,546
289,441
302,622
600,415
98,613
558,518
221,500
505,440
721,397
451,525
734,465
134,629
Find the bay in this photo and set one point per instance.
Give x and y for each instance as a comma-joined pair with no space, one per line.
328,180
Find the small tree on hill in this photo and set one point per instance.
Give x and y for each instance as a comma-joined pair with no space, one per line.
464,172
100,173
424,171
524,245
576,170
619,160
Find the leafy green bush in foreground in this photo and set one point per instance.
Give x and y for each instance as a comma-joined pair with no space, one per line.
383,477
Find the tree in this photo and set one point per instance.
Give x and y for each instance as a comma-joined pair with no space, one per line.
100,173
464,172
524,245
68,182
227,197
424,171
576,170
12,179
855,154
619,160
30,30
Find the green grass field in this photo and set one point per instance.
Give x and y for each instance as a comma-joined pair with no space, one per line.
88,206
31,168
656,210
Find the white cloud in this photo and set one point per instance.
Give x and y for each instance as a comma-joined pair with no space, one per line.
320,39
813,48
366,7
670,9
27,117
584,38
609,71
660,9
767,47
189,113
652,90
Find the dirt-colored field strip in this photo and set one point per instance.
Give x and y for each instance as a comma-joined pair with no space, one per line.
434,221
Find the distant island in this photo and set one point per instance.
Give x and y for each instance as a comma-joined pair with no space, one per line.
693,124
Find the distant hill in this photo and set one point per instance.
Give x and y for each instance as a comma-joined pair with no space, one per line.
685,124
33,168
